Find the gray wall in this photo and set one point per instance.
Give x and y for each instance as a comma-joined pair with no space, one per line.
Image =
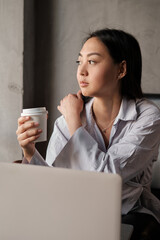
11,63
54,31
73,19
59,28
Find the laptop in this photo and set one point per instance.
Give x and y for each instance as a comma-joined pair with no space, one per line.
38,203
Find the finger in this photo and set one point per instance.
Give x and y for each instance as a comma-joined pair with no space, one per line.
22,120
59,109
26,126
32,139
79,94
72,95
32,133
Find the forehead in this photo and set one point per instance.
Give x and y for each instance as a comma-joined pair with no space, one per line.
94,45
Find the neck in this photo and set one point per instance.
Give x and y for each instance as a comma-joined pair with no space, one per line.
106,110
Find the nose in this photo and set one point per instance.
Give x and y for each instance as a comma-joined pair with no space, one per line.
83,70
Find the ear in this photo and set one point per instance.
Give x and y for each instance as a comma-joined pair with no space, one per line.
122,69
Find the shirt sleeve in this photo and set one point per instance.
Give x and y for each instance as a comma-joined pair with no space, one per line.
58,140
37,159
128,157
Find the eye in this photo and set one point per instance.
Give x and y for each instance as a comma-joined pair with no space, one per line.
78,62
91,62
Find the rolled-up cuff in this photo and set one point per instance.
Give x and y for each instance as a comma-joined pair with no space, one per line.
37,159
25,161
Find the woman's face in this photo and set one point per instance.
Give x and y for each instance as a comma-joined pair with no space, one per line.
97,74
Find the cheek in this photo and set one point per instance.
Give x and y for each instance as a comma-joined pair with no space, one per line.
101,75
108,74
77,75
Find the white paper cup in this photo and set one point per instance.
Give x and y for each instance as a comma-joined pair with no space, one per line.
38,115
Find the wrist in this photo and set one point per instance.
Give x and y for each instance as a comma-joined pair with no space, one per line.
28,155
73,124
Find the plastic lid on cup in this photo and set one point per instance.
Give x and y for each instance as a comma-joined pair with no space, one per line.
34,111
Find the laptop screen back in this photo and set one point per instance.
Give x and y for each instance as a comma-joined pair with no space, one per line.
52,203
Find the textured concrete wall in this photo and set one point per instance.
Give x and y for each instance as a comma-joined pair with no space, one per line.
60,27
73,19
69,21
11,77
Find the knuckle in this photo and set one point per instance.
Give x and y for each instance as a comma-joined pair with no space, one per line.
19,121
70,95
23,128
31,124
27,134
35,131
23,144
26,142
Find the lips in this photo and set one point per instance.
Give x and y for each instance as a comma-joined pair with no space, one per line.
83,83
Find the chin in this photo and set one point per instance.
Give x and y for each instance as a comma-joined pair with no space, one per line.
85,93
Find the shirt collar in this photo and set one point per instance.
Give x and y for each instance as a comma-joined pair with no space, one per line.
127,110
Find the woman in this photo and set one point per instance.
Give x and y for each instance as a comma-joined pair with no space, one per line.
116,131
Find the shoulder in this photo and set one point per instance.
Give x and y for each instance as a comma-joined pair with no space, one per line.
148,116
140,114
147,107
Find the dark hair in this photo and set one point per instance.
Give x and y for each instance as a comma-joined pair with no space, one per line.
123,46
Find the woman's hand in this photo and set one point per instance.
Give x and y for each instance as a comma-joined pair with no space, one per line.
71,107
27,133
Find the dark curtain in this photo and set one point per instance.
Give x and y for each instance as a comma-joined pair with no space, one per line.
38,20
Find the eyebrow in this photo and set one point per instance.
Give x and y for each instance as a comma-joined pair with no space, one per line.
90,54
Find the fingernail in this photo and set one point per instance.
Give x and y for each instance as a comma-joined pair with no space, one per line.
39,130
